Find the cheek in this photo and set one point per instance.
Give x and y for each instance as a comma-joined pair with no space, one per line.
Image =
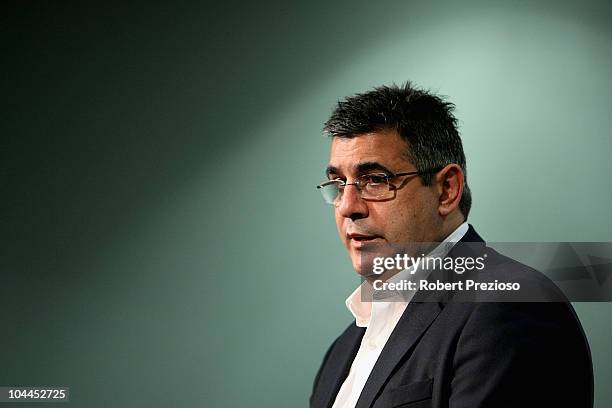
339,227
399,225
398,221
338,220
386,219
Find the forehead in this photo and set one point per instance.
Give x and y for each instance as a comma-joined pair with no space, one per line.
384,147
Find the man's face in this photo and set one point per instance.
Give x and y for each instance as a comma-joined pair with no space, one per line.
411,216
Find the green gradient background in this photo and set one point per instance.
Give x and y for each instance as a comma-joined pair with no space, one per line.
163,243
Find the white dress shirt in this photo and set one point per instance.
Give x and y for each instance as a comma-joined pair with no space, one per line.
379,318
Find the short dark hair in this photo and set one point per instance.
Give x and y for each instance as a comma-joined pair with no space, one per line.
421,118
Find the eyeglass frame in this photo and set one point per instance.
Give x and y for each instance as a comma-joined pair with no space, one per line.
387,178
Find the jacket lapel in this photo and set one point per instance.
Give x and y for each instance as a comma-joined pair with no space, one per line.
337,367
414,321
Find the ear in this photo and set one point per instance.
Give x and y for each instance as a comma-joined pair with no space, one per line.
449,182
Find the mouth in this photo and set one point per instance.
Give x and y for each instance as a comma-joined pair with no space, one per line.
359,241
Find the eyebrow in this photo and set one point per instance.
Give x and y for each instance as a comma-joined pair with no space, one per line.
360,168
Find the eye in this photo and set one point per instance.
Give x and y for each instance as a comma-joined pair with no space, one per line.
375,179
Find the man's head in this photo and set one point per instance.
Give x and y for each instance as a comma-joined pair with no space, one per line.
387,131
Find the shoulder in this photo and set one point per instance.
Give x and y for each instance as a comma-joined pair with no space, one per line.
499,272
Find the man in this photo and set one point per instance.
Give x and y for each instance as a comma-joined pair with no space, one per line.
397,176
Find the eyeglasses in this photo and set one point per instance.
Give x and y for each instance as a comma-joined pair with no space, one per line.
371,186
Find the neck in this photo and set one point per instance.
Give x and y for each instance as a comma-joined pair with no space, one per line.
449,224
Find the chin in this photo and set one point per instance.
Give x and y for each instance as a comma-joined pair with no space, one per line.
358,267
364,270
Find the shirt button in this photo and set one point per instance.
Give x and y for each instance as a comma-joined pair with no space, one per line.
371,344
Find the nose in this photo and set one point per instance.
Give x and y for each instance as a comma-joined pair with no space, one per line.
351,205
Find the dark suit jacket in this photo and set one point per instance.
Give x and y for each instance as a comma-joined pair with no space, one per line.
472,354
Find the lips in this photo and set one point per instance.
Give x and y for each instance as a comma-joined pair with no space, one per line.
360,237
360,240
